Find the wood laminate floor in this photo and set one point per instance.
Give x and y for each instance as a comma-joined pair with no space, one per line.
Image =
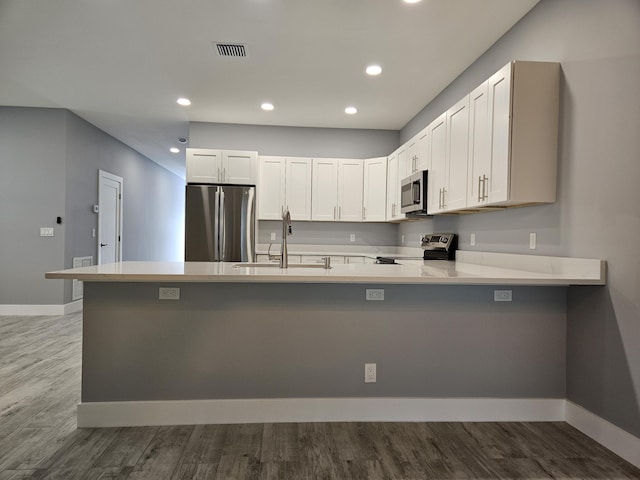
39,391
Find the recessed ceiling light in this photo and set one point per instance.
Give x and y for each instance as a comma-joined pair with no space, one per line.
174,150
374,70
267,106
412,1
185,102
350,110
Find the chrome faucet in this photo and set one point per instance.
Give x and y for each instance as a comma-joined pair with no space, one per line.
286,230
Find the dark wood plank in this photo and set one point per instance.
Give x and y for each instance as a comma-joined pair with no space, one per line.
39,391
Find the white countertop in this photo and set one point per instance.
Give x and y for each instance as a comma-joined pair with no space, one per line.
470,268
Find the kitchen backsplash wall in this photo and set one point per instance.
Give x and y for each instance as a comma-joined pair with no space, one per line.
330,233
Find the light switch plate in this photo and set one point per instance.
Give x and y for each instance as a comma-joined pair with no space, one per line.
532,241
502,296
352,237
46,231
273,235
473,239
374,294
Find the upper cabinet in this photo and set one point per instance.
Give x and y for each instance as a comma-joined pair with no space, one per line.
396,171
337,190
221,166
418,153
438,159
285,182
374,202
514,136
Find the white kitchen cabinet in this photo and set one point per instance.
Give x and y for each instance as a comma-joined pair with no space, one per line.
298,187
324,193
203,165
479,166
438,161
337,190
271,188
518,164
374,201
350,186
457,156
418,152
284,182
449,156
221,166
395,172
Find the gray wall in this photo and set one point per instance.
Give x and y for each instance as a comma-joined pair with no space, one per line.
50,160
294,141
292,341
32,195
597,43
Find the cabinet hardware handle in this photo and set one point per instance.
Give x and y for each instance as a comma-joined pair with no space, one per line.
479,188
334,213
340,213
364,212
444,204
219,176
485,189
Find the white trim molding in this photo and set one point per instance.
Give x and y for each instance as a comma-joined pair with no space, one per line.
279,410
607,434
35,310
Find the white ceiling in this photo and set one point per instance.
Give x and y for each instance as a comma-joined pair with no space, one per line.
121,64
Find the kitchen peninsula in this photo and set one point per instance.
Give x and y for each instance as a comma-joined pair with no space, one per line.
247,344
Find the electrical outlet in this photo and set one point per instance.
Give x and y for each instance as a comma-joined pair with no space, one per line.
369,373
502,296
374,294
273,235
402,239
169,293
93,232
532,241
352,237
473,239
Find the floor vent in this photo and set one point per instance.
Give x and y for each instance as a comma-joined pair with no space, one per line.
231,49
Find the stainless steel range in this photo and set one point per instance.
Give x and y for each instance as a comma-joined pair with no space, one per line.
440,246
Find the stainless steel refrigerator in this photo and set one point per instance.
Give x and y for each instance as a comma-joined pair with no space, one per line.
220,223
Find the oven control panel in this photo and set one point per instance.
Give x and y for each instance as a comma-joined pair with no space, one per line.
437,241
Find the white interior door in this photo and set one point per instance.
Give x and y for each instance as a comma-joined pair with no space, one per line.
109,218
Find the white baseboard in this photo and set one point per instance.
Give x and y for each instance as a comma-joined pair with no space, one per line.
33,310
282,410
614,438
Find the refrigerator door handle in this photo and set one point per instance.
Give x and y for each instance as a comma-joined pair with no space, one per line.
223,246
216,226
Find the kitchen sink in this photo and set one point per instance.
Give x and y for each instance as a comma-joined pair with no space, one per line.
276,265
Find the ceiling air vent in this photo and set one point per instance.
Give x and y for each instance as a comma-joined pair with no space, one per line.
231,49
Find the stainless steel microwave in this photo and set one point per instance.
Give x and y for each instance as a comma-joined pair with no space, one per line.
413,194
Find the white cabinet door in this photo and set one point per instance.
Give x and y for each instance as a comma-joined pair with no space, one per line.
418,152
298,187
203,165
455,195
375,190
393,184
479,152
271,188
404,166
394,174
239,167
220,166
499,87
438,161
350,179
324,194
